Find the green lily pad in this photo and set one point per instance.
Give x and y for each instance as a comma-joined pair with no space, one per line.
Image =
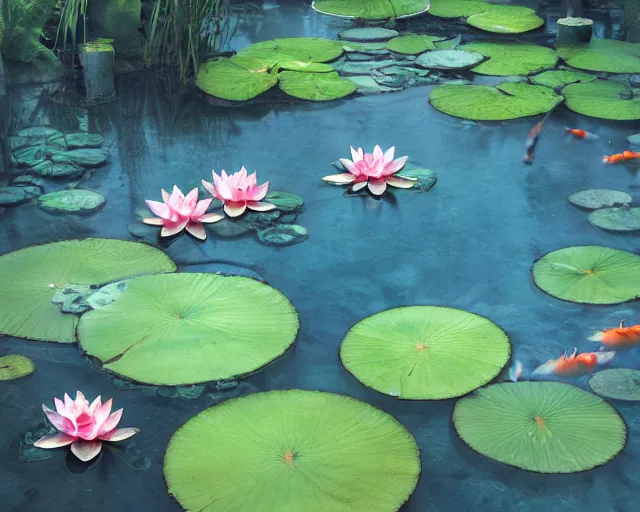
283,234
540,426
616,219
604,99
30,278
595,198
457,8
284,201
603,55
229,81
486,103
559,78
363,67
425,178
13,196
617,383
177,329
366,84
49,169
508,59
86,157
368,34
506,19
315,86
449,59
293,49
589,275
413,44
449,44
83,140
15,367
371,9
367,48
425,352
72,201
283,447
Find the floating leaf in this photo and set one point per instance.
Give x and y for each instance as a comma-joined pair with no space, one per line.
229,81
12,196
449,44
604,99
177,329
30,278
616,219
72,201
507,59
85,157
558,78
83,140
284,201
413,44
284,447
457,8
289,52
449,59
283,234
315,86
425,178
589,275
603,55
506,19
425,352
15,367
368,34
367,48
371,9
486,103
535,425
617,383
595,198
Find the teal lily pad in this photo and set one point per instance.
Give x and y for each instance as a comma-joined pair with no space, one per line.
229,81
368,34
621,219
83,140
85,157
617,384
506,19
508,59
284,201
315,86
13,196
15,367
457,8
595,198
449,59
486,103
425,178
604,99
371,9
561,77
283,234
75,200
413,44
603,55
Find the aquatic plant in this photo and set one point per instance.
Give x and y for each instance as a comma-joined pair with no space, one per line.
178,212
70,12
372,170
371,9
315,86
238,192
505,59
604,55
561,77
15,366
604,99
617,383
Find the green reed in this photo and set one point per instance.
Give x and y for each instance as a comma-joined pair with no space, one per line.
70,11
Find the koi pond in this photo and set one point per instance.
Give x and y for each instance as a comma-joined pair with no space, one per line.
341,255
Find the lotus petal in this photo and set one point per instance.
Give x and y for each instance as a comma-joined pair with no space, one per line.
173,229
160,209
153,221
235,209
201,207
165,195
86,450
197,230
377,187
397,182
395,166
95,404
356,156
340,179
211,218
210,187
260,206
260,192
58,421
176,198
57,440
389,154
349,166
120,434
377,152
359,186
110,423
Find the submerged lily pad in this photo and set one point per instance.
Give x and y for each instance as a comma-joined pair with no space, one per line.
486,103
534,425
72,201
604,99
425,352
589,275
292,460
284,201
229,81
449,59
13,196
30,278
363,67
595,198
176,329
617,383
603,55
371,9
457,8
616,219
508,59
449,44
413,44
283,234
315,86
15,367
561,77
425,178
506,19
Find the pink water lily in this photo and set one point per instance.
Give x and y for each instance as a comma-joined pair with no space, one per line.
375,170
239,191
83,426
178,212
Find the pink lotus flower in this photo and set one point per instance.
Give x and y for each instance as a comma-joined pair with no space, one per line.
239,192
375,170
83,426
178,212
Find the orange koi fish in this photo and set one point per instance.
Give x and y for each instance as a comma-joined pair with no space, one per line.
625,156
575,365
532,141
618,337
580,134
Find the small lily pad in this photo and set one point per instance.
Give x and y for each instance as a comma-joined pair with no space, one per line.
368,34
372,48
457,8
506,19
617,383
363,67
39,132
49,169
509,59
13,196
560,78
83,140
72,201
425,178
595,198
413,44
230,81
283,234
315,86
449,44
616,219
15,367
449,59
227,228
603,55
366,84
86,157
604,99
284,201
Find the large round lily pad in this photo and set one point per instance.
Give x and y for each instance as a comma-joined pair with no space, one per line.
486,103
292,49
371,9
506,19
315,86
561,77
449,59
589,275
230,81
292,450
15,367
31,277
413,44
72,201
604,99
603,55
595,198
617,383
176,329
616,219
506,59
425,352
368,34
457,8
540,426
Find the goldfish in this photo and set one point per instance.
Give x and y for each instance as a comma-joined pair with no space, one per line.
625,156
618,337
515,372
580,134
575,365
532,140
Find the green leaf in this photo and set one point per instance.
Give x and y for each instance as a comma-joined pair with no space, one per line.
15,367
603,55
449,59
368,35
296,49
506,19
371,9
72,201
589,275
592,199
292,450
457,8
229,81
617,383
413,44
616,219
284,201
425,352
315,86
540,426
604,99
506,59
557,78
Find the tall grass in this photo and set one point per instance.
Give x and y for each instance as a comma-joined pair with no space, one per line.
70,11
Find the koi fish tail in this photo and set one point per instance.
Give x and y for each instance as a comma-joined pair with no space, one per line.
597,336
604,357
547,368
567,131
591,136
515,372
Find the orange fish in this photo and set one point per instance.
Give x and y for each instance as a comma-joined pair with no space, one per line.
532,141
580,134
575,365
618,337
621,157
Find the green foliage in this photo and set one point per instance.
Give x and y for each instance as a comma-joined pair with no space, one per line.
69,14
23,26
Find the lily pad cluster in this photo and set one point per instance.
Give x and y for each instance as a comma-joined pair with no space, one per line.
371,9
604,99
612,210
